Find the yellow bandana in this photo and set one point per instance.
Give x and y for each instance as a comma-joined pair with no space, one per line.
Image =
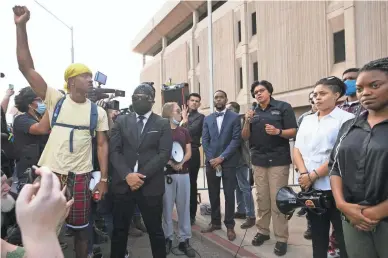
74,70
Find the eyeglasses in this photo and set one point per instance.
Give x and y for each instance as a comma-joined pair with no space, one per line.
259,91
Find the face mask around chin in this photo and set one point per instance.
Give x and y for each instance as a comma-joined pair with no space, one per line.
142,107
175,122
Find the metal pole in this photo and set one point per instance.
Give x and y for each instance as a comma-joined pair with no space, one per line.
72,44
210,45
69,27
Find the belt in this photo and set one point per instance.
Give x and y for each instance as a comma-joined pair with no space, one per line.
173,172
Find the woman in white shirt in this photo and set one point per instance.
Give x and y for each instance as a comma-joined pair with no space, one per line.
315,140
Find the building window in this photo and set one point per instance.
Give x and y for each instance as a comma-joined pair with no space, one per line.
241,78
339,47
255,71
198,54
239,31
254,29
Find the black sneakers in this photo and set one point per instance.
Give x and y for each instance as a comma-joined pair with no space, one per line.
259,239
186,249
280,248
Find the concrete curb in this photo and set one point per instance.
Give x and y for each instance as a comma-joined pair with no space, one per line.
219,242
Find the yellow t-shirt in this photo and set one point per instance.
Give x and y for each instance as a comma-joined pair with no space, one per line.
56,154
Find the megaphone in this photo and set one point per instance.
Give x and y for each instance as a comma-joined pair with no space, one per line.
288,201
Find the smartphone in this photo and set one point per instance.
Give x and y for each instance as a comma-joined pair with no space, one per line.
10,86
70,186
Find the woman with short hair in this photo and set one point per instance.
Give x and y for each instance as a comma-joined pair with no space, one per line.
314,142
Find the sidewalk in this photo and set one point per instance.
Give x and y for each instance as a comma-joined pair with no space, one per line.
298,246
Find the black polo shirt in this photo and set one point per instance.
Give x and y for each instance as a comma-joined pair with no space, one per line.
362,161
271,150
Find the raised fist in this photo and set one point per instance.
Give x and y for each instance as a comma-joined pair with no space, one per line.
21,15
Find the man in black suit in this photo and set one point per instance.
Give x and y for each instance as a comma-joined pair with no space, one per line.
221,139
140,147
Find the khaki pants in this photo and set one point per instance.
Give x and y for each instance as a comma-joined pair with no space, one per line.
268,181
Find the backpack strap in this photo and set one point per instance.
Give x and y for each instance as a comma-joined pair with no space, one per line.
92,126
93,119
57,109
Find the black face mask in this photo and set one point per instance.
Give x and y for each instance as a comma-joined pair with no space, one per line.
141,107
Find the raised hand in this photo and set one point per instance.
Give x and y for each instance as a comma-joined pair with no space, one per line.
21,15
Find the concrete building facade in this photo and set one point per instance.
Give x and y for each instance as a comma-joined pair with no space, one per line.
292,44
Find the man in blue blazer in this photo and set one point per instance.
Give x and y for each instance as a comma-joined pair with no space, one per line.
221,139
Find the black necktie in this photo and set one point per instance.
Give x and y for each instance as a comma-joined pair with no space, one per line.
140,125
219,114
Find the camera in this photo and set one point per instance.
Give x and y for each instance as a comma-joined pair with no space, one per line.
97,93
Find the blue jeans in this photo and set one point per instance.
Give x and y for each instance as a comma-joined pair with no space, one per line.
244,192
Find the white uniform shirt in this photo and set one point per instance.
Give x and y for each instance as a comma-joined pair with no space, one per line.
316,139
220,119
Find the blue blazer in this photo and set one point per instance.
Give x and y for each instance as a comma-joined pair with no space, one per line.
226,143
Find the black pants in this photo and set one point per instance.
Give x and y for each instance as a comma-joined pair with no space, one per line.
320,227
194,165
229,182
151,208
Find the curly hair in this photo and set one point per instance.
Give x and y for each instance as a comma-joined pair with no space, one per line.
264,83
25,97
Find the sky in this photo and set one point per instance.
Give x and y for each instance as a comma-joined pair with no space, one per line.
103,31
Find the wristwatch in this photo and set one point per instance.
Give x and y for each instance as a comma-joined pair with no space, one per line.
105,180
280,132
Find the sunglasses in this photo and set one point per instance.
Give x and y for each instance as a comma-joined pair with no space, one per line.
141,97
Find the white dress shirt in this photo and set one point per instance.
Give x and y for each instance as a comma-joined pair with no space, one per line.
145,120
220,119
316,139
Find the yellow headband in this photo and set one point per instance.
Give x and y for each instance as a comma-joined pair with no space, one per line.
74,70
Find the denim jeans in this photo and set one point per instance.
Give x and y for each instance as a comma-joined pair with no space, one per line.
244,196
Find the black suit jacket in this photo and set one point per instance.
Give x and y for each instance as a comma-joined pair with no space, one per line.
152,151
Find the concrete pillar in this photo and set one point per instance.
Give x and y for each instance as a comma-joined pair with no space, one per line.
193,82
350,34
245,50
162,67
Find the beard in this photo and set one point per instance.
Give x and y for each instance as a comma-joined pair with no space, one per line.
7,203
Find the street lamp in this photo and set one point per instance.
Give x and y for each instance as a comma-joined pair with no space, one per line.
69,27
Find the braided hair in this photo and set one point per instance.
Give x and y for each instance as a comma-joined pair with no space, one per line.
379,65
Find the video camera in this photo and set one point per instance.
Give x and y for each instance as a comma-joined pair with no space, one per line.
288,201
97,93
